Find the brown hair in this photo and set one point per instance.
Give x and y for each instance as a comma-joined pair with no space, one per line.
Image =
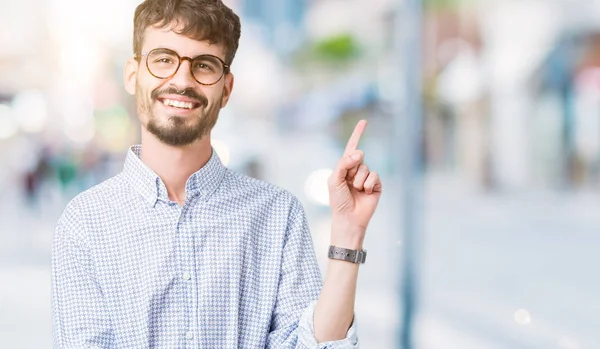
209,20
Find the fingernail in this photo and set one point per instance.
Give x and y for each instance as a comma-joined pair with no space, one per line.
355,155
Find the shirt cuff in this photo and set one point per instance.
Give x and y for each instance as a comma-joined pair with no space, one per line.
307,333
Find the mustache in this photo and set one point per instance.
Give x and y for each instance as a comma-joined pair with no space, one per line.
187,92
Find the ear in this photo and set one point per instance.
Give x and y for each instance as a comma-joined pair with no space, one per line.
227,88
130,75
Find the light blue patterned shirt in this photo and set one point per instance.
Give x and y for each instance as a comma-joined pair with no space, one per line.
234,267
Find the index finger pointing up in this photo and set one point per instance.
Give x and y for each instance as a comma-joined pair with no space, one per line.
355,137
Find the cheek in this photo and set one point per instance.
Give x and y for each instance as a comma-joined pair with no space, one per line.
214,95
145,85
144,94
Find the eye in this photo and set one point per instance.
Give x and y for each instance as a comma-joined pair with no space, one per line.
204,66
164,60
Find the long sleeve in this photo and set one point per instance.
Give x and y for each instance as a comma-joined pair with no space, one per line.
299,287
80,319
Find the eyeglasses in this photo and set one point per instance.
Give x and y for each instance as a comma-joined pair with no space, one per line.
164,63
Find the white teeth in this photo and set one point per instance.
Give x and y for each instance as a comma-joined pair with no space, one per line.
178,104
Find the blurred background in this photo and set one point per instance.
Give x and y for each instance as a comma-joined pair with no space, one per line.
503,246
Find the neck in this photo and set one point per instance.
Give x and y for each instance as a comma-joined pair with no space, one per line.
174,165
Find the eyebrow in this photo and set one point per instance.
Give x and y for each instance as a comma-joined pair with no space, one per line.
162,50
166,50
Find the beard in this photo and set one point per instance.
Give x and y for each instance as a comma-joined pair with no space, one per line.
178,130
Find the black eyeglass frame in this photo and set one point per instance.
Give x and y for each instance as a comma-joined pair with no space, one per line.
181,59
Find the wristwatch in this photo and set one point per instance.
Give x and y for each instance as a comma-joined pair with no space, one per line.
345,254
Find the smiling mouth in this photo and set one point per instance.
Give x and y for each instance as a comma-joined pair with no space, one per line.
179,104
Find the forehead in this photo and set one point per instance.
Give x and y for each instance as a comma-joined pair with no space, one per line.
183,45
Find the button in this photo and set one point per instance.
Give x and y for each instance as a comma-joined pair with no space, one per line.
189,335
181,219
187,276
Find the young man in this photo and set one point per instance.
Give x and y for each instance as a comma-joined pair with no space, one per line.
177,251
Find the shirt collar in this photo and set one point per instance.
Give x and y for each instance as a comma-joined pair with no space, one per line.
151,187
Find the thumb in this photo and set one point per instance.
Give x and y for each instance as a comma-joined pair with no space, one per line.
345,164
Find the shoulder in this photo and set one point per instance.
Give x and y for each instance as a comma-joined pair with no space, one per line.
92,201
249,188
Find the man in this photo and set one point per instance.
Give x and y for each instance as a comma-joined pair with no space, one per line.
177,251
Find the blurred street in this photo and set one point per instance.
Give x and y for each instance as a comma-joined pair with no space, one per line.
510,270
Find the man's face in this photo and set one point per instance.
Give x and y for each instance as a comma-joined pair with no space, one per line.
177,110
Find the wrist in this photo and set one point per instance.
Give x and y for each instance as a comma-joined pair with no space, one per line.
346,235
345,242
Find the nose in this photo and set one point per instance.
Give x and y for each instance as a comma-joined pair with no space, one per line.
183,77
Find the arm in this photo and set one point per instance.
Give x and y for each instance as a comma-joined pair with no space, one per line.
334,312
80,319
354,193
299,285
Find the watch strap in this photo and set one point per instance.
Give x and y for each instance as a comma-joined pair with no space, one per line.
348,255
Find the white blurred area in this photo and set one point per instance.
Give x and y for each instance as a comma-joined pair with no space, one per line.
511,116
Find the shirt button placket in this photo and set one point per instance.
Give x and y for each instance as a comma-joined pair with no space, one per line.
186,276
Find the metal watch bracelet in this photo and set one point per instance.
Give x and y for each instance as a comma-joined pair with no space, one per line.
344,254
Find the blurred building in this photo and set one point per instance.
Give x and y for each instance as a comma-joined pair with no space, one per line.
482,116
281,22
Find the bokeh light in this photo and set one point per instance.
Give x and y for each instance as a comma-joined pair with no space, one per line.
522,317
222,150
31,110
315,186
8,125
